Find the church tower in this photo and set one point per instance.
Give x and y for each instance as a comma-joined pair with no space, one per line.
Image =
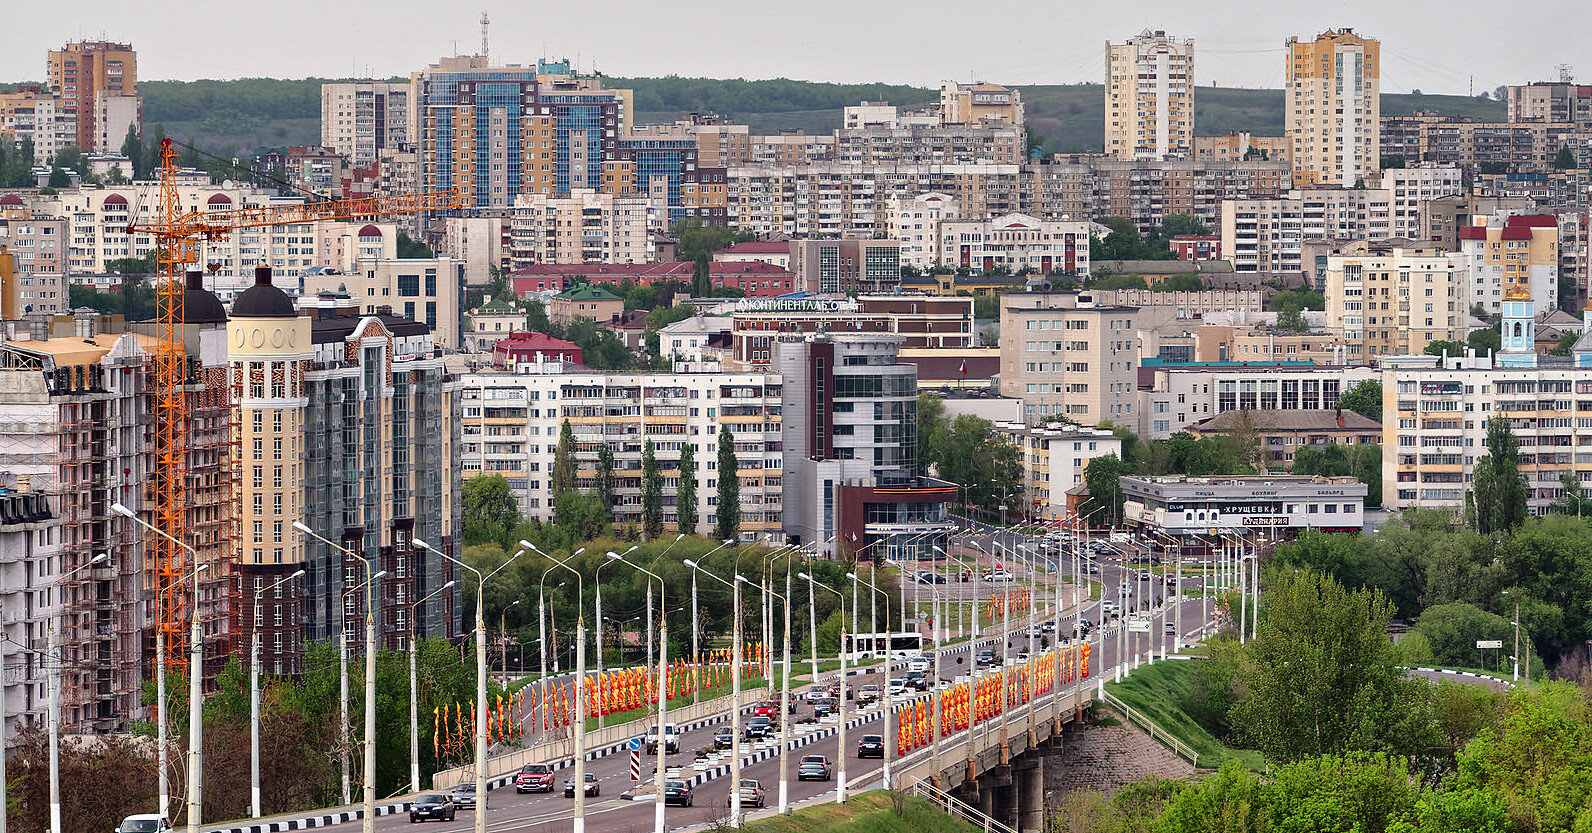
1519,329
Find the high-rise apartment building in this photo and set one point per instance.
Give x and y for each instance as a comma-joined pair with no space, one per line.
980,102
1332,107
510,424
83,77
1394,300
586,226
360,119
1502,250
1551,101
1150,97
1063,354
343,426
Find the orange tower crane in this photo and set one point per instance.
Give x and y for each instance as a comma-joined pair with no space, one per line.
178,233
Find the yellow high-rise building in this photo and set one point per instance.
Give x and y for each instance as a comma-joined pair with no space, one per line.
1332,102
85,77
1150,97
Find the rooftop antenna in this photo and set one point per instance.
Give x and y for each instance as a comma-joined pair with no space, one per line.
1565,75
484,53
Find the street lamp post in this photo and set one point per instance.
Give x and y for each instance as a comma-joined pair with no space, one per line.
597,596
580,696
369,817
840,786
55,691
663,699
254,699
735,686
784,694
414,699
887,753
480,677
503,639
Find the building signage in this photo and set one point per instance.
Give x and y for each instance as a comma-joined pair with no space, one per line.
1440,388
1489,643
794,305
1265,520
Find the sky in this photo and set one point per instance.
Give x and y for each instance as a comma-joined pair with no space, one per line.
1450,48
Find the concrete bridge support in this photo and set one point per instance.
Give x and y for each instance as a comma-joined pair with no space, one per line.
1028,782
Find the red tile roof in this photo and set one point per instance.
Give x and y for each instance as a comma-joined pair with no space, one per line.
1532,221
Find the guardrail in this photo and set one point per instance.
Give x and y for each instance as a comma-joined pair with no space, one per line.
953,806
1154,729
596,739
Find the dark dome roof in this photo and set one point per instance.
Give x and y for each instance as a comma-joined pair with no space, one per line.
219,199
200,306
115,199
263,300
370,231
10,199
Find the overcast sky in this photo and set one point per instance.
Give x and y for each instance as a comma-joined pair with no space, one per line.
1436,48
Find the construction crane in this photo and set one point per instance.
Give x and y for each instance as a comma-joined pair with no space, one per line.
178,232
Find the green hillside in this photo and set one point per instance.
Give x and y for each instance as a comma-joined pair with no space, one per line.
239,117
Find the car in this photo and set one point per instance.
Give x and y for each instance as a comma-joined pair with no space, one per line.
1022,657
871,746
156,823
671,740
918,680
1171,628
815,693
815,768
1171,579
898,687
430,806
918,666
1036,631
987,657
463,796
930,577
824,707
766,708
678,792
534,778
1094,569
752,794
999,575
724,738
592,787
1108,607
1048,627
869,691
760,726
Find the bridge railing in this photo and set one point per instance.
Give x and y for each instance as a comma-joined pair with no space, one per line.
953,806
1154,729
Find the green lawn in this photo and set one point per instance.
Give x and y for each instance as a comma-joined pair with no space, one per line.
1156,690
869,812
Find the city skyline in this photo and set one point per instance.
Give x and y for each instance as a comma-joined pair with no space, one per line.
1241,50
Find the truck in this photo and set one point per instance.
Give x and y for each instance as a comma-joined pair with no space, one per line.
671,740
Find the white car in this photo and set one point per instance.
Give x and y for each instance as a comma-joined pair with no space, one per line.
671,740
999,575
144,823
898,687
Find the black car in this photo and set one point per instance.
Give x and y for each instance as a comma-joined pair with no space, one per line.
432,806
678,792
724,738
930,577
988,657
824,707
759,727
918,680
871,746
592,787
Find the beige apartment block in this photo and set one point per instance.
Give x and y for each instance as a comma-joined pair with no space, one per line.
585,227
1333,108
1064,355
1388,299
1150,97
978,102
359,119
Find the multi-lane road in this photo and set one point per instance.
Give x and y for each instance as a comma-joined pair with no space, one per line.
508,810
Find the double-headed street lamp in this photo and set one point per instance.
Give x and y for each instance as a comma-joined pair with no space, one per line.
369,820
886,774
254,696
840,786
414,698
735,686
195,689
480,675
784,692
663,697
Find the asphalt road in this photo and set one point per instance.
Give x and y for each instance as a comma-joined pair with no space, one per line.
608,813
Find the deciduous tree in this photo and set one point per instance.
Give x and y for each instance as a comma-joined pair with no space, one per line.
728,525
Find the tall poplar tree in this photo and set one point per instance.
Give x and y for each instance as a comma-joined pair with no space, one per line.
687,493
729,496
651,494
605,476
564,461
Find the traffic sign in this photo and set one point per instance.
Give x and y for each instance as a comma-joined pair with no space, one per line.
1489,643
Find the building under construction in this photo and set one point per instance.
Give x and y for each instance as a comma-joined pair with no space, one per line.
76,437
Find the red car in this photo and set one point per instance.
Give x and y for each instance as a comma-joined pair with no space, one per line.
767,708
534,778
